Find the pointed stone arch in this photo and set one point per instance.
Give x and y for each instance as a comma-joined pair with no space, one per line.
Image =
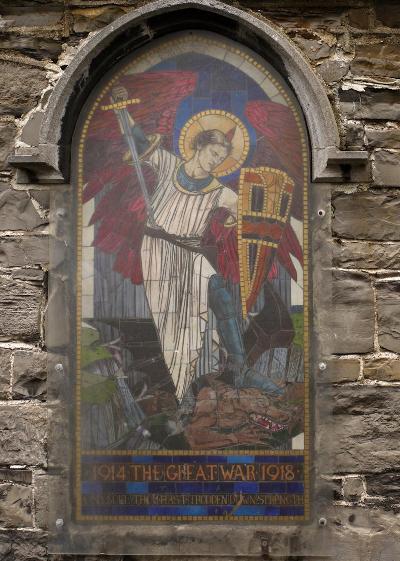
45,157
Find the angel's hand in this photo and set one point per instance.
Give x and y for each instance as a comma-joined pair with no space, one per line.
119,93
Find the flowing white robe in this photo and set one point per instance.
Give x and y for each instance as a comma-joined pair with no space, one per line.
176,277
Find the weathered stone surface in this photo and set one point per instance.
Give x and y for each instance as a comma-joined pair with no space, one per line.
15,506
38,17
354,131
22,434
31,275
42,196
359,18
366,255
333,70
16,475
384,485
42,500
388,305
362,434
19,545
352,315
29,374
371,104
377,60
386,168
383,138
7,137
86,20
20,87
5,373
353,488
384,369
17,211
26,250
387,13
340,370
19,310
36,47
367,216
315,49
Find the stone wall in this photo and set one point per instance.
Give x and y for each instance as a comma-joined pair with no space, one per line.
354,47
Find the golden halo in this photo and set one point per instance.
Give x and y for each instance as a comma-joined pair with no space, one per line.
224,122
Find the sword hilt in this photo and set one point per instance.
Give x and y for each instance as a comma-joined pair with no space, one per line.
120,104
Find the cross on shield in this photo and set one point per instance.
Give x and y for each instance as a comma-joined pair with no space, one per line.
265,199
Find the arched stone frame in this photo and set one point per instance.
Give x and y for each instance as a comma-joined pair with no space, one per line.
47,159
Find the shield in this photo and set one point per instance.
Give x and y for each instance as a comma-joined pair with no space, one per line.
265,198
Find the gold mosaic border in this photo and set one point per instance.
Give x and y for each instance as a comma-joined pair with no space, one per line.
168,46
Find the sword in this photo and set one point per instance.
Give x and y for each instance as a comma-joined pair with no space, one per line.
119,107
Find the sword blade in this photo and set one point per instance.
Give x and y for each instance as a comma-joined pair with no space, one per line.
123,114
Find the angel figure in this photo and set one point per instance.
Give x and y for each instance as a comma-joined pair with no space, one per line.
167,249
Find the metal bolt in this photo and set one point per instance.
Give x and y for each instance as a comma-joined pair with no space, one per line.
322,366
321,212
322,522
59,523
59,367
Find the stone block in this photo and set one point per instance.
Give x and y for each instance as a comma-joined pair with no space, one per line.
386,168
367,216
42,500
19,310
15,506
353,488
381,60
359,18
387,13
333,70
86,20
20,87
384,369
17,211
366,255
351,318
354,135
372,103
16,475
362,433
315,49
5,373
340,370
37,17
37,46
23,433
384,485
19,545
31,275
24,250
388,306
41,196
383,138
7,138
29,375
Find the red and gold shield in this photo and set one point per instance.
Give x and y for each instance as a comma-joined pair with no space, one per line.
265,198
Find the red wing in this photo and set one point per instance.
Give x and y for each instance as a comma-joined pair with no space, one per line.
278,144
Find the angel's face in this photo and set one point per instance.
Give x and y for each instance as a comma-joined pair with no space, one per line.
211,156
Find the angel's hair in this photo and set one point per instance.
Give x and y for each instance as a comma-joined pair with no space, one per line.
213,136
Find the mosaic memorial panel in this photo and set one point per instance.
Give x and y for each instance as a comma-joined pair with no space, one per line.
192,333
